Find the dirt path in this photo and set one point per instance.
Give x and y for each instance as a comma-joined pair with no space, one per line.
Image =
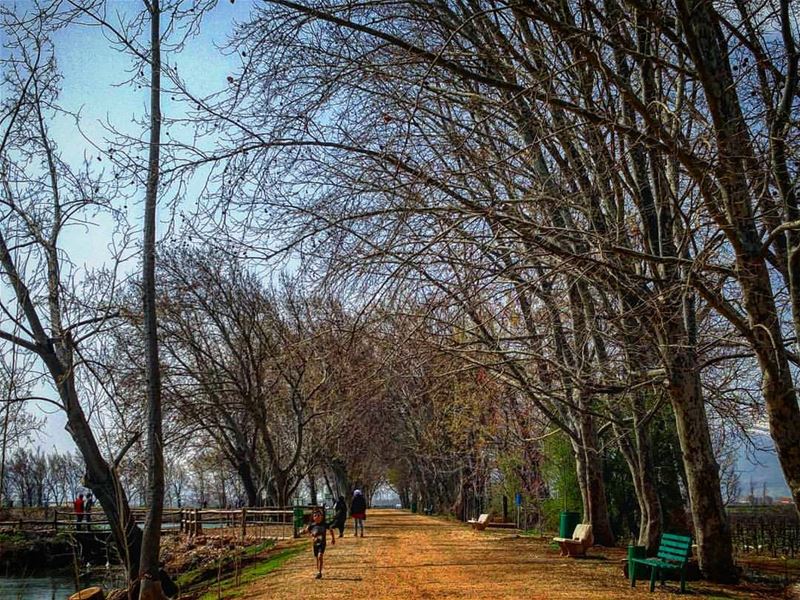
416,557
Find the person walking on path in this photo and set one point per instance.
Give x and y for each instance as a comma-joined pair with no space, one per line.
87,509
318,529
79,506
339,515
358,510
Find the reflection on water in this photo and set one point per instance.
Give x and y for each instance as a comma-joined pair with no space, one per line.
36,588
54,587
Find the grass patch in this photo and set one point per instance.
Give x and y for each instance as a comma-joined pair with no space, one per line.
534,533
258,548
189,578
14,537
209,570
228,587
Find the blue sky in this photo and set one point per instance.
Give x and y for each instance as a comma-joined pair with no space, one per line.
93,85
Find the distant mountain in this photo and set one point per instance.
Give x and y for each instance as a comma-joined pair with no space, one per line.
759,467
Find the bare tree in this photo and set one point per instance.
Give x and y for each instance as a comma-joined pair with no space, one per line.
39,203
581,167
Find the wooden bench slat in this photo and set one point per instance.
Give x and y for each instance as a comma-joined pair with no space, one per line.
676,547
675,536
673,557
683,553
673,544
654,562
680,556
680,541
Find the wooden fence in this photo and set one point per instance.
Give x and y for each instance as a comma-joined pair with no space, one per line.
244,523
767,531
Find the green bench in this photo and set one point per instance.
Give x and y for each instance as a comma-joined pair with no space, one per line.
673,554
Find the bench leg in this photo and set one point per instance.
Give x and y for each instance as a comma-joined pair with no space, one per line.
683,580
573,550
653,573
632,573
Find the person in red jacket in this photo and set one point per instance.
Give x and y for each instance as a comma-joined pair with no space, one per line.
78,504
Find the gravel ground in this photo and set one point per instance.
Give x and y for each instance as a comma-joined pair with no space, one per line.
417,557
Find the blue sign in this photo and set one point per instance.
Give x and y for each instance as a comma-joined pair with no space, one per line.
518,499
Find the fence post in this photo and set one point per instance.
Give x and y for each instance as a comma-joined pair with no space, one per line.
55,521
198,522
244,522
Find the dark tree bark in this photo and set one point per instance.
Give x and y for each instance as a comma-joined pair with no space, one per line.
249,485
150,588
312,488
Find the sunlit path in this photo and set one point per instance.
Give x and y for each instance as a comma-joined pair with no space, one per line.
412,556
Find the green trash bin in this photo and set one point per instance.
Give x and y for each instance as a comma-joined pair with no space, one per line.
567,522
636,552
413,507
297,513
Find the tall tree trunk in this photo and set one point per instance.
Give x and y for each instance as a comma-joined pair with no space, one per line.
249,485
715,549
312,488
223,490
652,521
583,485
340,477
596,507
280,486
4,444
101,478
150,588
635,448
404,492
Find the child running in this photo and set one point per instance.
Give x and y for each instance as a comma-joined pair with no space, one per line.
318,530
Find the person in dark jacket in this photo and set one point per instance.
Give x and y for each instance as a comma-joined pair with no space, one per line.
88,505
358,510
339,515
318,529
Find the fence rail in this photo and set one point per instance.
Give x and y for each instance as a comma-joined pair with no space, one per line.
245,523
258,523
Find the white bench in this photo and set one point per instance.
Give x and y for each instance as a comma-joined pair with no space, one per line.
481,522
582,539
